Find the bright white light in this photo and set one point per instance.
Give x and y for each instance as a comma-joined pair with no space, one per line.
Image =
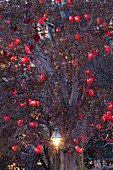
56,141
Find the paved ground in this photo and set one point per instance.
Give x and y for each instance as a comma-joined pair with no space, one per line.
103,168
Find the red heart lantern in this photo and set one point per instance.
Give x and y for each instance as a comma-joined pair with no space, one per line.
98,20
36,37
90,55
4,53
104,24
89,80
14,92
14,148
58,30
56,67
20,122
41,20
86,16
14,28
81,150
109,105
38,149
12,58
91,92
26,20
23,104
99,126
22,84
77,36
32,102
109,32
87,72
28,67
10,45
83,141
107,49
76,141
45,16
73,61
68,4
77,148
77,18
27,48
80,116
71,18
23,60
32,124
6,118
41,77
16,41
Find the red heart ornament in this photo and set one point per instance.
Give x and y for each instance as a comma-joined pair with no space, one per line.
16,41
26,20
14,148
36,37
86,16
77,18
32,124
71,18
10,45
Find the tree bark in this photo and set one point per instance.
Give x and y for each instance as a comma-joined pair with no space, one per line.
67,160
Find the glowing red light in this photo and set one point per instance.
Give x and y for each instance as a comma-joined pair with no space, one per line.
32,124
77,18
20,122
71,18
77,36
14,148
76,141
107,49
27,48
41,20
91,92
99,126
14,92
38,149
32,102
10,45
28,67
6,118
86,16
98,20
16,41
104,24
12,58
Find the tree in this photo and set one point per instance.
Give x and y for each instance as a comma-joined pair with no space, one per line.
56,62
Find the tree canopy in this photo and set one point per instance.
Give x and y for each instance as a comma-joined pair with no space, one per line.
55,71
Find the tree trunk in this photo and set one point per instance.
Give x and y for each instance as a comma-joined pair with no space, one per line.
67,160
